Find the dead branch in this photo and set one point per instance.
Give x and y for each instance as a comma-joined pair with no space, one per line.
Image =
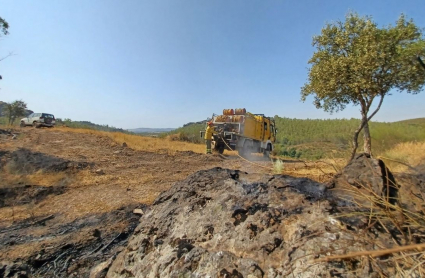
374,253
107,245
8,55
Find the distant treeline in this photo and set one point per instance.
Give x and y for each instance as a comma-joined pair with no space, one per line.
189,133
88,125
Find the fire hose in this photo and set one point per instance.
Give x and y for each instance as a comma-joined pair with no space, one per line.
224,141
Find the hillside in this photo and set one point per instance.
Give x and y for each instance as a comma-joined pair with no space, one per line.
414,122
316,138
88,125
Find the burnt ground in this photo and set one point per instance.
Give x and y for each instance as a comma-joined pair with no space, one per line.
49,249
67,199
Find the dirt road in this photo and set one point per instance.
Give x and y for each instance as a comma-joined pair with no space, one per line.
67,198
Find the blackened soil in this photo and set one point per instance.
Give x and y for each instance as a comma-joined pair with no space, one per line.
25,161
66,249
19,195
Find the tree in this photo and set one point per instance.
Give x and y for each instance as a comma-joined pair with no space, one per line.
15,109
356,62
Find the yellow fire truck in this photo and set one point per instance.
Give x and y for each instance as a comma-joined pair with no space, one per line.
243,131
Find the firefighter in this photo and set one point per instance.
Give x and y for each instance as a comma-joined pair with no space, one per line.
208,136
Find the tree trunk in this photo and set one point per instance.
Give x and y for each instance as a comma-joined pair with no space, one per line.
356,137
367,144
365,124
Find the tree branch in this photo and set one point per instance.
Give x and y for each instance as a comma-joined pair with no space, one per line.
377,108
369,103
8,55
421,62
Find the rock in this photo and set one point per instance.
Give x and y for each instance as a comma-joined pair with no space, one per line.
117,152
368,175
99,172
101,269
224,223
138,211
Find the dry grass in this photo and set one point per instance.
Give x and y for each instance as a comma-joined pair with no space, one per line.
403,226
278,166
142,143
321,171
410,153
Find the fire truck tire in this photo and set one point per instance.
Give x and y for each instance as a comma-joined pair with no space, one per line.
245,151
266,152
221,149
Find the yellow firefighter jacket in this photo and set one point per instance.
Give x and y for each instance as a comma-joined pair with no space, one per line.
209,132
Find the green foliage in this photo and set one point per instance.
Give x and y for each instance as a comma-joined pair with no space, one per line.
188,133
356,61
4,26
316,139
3,121
3,106
14,110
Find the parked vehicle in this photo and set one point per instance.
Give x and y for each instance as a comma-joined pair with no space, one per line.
39,120
243,131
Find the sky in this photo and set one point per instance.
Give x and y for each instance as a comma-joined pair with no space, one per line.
160,64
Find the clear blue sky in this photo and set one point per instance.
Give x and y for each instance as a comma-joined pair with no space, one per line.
131,63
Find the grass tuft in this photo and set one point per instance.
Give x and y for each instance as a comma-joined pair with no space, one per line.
277,166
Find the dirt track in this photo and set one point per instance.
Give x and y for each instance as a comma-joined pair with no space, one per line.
68,198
